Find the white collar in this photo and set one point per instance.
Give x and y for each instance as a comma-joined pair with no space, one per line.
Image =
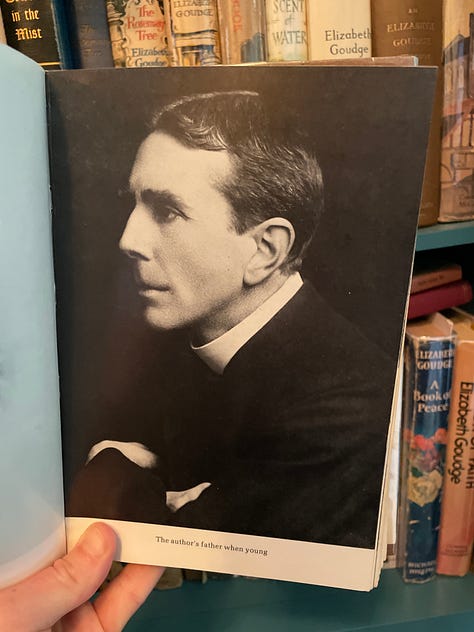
219,352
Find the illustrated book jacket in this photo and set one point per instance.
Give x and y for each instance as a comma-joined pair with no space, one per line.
429,357
226,349
457,171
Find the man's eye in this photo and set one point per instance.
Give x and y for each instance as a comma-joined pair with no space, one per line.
166,214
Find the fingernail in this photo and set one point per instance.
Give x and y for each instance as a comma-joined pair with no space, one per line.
93,542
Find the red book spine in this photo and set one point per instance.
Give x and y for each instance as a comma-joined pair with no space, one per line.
438,298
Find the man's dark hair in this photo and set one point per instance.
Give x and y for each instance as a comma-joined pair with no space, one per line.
274,174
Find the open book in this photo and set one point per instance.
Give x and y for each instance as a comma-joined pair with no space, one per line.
232,257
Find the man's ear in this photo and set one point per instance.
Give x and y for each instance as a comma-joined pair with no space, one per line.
274,239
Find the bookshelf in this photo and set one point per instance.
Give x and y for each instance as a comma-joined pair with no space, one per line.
245,605
445,235
450,242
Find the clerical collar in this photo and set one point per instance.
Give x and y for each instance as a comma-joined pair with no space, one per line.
218,353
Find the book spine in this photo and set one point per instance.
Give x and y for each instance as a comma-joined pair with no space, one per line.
456,533
3,37
90,38
193,32
37,30
438,298
427,389
408,27
287,38
137,33
242,30
339,30
414,27
457,156
435,278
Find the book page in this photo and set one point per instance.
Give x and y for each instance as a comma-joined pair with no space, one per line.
228,335
32,524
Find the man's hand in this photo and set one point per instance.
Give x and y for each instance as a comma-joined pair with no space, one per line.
118,482
57,597
176,500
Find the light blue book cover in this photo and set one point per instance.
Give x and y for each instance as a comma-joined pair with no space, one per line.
31,498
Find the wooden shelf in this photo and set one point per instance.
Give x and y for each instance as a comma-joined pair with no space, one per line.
246,605
445,235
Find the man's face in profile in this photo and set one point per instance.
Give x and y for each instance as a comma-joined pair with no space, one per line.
189,261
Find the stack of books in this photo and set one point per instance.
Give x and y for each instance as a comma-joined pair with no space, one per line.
436,467
436,286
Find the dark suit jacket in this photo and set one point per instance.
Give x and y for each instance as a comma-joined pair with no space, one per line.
291,437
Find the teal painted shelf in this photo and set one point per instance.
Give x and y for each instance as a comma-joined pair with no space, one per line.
445,235
246,605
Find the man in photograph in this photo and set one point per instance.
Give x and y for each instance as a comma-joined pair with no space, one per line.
267,417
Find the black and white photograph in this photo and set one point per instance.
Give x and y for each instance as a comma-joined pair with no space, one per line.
235,251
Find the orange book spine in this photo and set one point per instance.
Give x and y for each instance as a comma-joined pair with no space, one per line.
456,531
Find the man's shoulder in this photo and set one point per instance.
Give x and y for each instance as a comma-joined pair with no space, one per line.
308,341
306,325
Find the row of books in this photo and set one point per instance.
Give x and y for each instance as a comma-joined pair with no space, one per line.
435,435
141,33
137,33
436,286
89,33
438,33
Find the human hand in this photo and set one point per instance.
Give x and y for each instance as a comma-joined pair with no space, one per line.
176,500
57,598
145,458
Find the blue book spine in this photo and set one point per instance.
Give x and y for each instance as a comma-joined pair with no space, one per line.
427,393
89,34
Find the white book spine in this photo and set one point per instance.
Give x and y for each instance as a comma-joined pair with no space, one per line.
286,30
339,29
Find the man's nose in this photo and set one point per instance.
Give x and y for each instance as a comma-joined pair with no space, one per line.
134,240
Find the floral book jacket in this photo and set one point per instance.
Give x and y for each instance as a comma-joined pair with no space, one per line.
428,375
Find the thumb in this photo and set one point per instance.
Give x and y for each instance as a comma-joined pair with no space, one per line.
39,601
